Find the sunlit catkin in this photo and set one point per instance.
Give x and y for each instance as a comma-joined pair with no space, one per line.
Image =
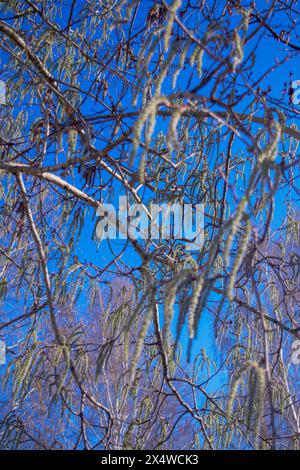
194,302
233,390
140,339
170,299
169,25
233,229
238,51
259,399
241,249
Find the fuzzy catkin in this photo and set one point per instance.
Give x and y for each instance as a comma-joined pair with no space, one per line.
257,387
63,377
170,298
193,307
169,308
22,372
200,62
269,153
172,138
246,15
234,387
246,234
140,340
233,228
142,73
181,63
72,140
259,399
238,52
165,67
169,25
149,111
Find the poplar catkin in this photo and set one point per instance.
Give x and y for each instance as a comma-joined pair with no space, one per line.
259,400
172,138
63,377
140,340
200,62
197,58
257,387
148,111
169,308
23,370
193,307
269,153
72,140
234,387
233,229
165,67
132,318
170,298
181,63
169,26
246,234
238,52
246,15
142,73
252,388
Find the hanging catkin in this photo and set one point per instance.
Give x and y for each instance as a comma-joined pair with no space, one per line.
23,369
169,25
233,229
238,51
148,115
170,298
141,337
181,63
143,72
259,399
257,385
194,302
241,249
234,387
64,375
72,140
172,138
269,153
246,15
165,67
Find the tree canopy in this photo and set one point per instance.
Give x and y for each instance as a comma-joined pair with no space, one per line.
140,343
